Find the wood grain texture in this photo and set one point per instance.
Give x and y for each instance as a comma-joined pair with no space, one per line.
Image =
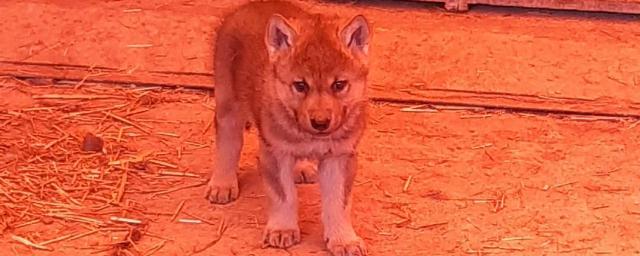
614,6
543,62
604,106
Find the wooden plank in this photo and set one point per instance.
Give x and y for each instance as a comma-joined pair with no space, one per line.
82,73
613,6
515,102
483,53
489,100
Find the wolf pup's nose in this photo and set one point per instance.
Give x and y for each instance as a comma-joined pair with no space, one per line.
320,124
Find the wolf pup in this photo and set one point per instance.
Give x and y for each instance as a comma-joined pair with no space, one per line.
301,79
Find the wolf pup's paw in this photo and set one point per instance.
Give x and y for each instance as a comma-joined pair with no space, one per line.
283,238
306,172
221,192
347,247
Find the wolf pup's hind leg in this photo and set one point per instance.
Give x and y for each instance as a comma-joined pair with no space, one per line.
230,121
223,185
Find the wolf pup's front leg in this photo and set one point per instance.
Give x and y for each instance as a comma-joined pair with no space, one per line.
336,174
282,229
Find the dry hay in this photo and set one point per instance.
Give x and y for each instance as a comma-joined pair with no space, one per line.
67,160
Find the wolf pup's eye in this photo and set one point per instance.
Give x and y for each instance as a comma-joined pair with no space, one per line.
301,86
339,85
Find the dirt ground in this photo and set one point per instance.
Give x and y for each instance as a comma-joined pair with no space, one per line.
442,181
480,182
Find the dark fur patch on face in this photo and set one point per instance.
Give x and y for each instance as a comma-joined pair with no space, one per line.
354,122
283,123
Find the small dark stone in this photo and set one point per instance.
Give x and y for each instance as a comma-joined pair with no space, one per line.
39,81
135,234
141,166
46,220
92,143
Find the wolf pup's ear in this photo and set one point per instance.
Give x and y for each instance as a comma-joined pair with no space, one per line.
279,37
356,35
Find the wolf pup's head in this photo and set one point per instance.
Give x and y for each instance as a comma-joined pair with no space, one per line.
320,69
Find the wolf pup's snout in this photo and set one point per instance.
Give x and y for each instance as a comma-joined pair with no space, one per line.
320,120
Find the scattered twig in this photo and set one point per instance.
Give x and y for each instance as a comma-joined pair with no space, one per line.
163,163
190,221
564,184
126,121
131,10
483,146
29,243
125,220
607,173
517,238
221,229
75,97
58,239
407,183
177,212
178,188
139,45
168,134
178,174
155,248
432,225
199,218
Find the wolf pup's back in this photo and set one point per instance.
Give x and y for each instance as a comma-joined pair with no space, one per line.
301,78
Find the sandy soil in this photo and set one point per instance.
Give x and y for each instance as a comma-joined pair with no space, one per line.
448,182
479,182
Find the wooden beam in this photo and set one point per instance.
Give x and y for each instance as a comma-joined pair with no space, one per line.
613,6
489,100
81,73
609,107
